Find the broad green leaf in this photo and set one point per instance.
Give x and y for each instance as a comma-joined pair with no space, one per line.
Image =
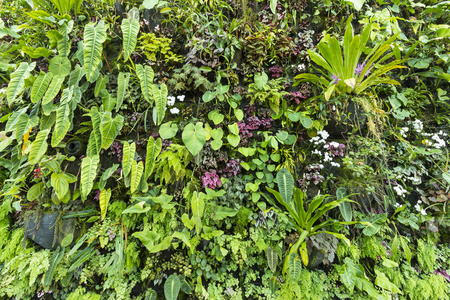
247,151
24,125
153,150
194,137
138,208
160,97
17,81
384,282
53,89
347,273
406,249
88,174
60,66
165,244
35,191
216,144
172,287
148,238
122,85
40,85
272,259
94,37
233,140
234,128
36,52
285,183
39,147
130,31
197,206
95,139
145,76
75,76
60,184
62,124
110,128
221,212
128,157
168,130
108,101
150,4
295,267
216,116
137,169
104,197
100,84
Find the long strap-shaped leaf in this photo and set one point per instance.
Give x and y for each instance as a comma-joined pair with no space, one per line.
110,128
197,206
40,85
39,147
53,89
137,169
128,157
160,96
62,124
130,30
88,173
94,37
145,76
95,140
17,82
153,150
122,84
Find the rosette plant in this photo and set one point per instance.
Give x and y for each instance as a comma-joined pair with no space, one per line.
341,68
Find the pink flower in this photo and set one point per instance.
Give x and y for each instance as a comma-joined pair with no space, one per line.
211,180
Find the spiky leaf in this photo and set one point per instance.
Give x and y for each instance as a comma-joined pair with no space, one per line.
17,82
145,76
88,173
94,37
40,85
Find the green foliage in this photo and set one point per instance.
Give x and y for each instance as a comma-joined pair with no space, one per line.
94,37
171,165
157,48
130,29
426,256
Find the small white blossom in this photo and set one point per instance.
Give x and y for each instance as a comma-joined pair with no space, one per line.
403,131
174,110
181,97
335,164
2,91
400,190
171,100
418,126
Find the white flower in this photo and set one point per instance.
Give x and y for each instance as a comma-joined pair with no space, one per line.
403,131
171,100
423,212
418,125
181,97
174,110
2,91
400,190
316,151
335,164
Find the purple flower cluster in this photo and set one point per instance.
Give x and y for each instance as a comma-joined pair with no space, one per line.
276,71
111,234
232,168
136,116
360,67
296,97
211,180
116,149
97,196
312,174
335,149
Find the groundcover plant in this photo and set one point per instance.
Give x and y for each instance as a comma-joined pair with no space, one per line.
224,149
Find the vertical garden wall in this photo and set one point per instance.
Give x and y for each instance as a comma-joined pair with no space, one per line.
239,149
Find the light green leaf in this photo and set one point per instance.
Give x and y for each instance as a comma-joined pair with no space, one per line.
17,81
94,37
197,206
110,128
194,137
104,197
35,191
60,66
285,183
122,85
53,89
160,97
272,259
128,157
39,147
153,150
130,30
88,174
233,140
136,173
172,287
145,76
100,84
384,282
62,124
40,85
168,130
60,184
